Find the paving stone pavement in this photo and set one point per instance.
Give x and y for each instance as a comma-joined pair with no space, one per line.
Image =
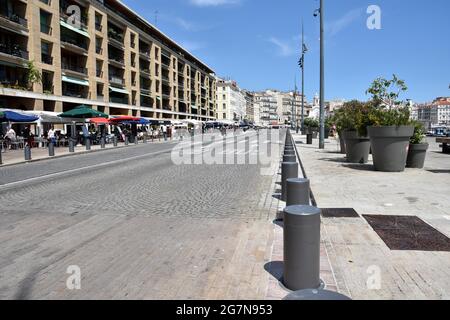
360,259
143,229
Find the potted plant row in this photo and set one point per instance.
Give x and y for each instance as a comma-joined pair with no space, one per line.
351,123
382,125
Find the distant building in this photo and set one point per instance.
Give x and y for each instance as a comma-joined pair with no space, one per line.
432,114
250,106
231,101
267,104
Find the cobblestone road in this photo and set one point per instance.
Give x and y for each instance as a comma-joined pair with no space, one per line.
138,229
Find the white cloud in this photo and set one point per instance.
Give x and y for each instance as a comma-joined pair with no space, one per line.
336,26
285,48
213,3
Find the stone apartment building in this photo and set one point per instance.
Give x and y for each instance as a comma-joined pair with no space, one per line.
98,53
231,101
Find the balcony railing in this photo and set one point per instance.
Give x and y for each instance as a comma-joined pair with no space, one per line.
78,69
117,80
74,93
15,51
74,42
118,59
16,19
118,100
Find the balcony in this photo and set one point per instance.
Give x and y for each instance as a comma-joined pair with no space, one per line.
14,50
117,60
73,68
98,26
14,20
145,92
121,100
74,44
117,80
99,50
116,38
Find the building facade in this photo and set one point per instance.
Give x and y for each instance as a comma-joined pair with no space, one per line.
231,101
250,106
267,104
433,114
98,53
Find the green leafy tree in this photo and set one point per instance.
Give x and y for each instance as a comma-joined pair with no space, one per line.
419,133
33,74
385,93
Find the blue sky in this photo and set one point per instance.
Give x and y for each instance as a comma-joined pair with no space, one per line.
257,42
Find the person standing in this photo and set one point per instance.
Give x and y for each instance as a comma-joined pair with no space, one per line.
51,136
11,136
164,131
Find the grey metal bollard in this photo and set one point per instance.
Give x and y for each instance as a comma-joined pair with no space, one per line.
71,145
289,158
102,143
298,192
302,248
127,141
289,152
27,153
51,149
1,161
288,170
115,141
87,142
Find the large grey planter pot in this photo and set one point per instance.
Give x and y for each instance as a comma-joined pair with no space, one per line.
342,143
416,155
357,147
390,146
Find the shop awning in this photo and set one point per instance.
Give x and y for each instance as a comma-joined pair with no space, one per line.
73,80
118,90
75,29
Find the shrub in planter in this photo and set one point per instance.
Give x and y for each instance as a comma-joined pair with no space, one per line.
417,148
351,121
390,128
312,126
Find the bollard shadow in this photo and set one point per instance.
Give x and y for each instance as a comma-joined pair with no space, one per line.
279,221
439,171
338,160
275,269
277,196
360,167
26,285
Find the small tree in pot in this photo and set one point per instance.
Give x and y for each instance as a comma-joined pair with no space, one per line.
351,121
389,127
417,147
312,126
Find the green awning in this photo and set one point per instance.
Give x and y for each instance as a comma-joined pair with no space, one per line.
118,90
194,107
158,98
73,80
73,28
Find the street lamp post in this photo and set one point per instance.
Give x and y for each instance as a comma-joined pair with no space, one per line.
302,67
322,80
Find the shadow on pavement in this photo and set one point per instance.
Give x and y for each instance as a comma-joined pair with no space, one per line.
279,222
275,268
439,171
360,167
339,160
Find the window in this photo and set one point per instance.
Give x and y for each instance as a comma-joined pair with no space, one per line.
46,53
224,116
224,97
224,106
46,21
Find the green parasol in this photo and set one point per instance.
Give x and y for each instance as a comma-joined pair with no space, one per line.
83,112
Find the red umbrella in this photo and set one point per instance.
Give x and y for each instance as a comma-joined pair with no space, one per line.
124,119
99,121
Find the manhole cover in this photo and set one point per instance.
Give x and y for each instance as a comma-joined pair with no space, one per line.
339,213
408,233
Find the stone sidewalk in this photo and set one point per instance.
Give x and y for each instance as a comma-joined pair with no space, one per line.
356,252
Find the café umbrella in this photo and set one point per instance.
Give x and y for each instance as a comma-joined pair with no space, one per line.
83,112
11,116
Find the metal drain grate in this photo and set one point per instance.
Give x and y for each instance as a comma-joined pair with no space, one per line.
408,233
339,213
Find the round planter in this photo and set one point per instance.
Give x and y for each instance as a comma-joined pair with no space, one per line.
416,155
390,146
357,147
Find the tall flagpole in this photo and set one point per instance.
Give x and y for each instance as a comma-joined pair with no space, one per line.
303,78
